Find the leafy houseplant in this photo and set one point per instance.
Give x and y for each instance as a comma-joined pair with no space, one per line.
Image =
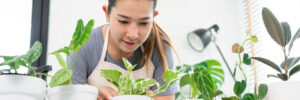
240,86
128,86
20,85
281,34
203,78
61,88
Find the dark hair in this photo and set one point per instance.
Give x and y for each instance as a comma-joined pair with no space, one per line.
112,3
157,39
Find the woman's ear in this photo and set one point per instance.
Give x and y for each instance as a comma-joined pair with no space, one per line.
156,13
105,10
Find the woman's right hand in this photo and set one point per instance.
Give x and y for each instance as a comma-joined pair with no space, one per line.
106,93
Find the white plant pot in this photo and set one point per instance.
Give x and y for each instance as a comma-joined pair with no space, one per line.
131,97
22,87
284,90
72,92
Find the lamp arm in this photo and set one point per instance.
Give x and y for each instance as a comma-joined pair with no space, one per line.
224,61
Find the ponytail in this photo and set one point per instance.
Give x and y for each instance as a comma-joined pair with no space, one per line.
157,37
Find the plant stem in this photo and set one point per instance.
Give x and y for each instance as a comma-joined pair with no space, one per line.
29,67
75,59
240,60
16,71
285,61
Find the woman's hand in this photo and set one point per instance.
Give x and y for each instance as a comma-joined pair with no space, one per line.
106,93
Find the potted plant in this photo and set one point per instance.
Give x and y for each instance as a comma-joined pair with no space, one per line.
16,86
204,79
240,86
61,88
281,34
130,89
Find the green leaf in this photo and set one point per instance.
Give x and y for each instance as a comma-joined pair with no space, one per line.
230,98
33,54
248,96
295,37
214,68
290,62
61,60
61,77
294,70
246,59
171,76
218,92
188,79
262,90
112,76
268,62
13,61
204,84
12,65
63,50
253,39
273,27
127,64
148,82
287,31
81,35
239,87
185,69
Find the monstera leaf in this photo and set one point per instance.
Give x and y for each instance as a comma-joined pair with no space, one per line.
214,68
205,83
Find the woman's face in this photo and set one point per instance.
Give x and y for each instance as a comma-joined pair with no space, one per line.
131,23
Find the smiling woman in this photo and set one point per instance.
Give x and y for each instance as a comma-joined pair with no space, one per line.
131,33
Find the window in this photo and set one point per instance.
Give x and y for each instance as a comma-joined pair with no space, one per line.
15,26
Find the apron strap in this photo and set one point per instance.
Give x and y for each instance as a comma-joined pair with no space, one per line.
104,50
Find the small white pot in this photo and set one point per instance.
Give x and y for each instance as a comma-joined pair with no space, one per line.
284,90
131,97
22,87
72,92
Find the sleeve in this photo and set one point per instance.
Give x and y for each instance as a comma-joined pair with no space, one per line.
158,73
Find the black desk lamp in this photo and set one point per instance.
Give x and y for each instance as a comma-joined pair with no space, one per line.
200,38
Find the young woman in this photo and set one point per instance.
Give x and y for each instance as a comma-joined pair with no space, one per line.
133,34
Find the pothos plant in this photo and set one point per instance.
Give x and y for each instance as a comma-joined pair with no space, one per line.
240,86
15,62
79,38
281,34
204,79
128,86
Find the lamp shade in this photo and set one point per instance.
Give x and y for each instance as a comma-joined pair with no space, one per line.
200,38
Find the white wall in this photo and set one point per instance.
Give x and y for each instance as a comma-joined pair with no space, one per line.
176,17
